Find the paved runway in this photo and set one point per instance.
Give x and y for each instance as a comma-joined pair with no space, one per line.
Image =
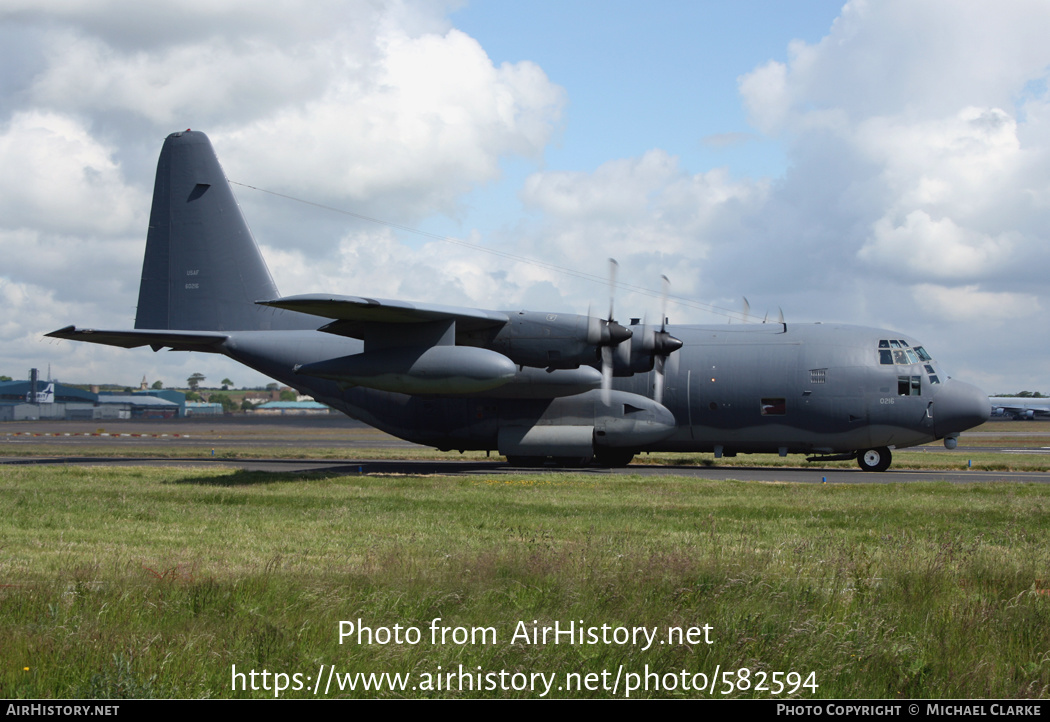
67,438
236,431
492,468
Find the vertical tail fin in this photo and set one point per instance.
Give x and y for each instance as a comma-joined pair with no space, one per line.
202,270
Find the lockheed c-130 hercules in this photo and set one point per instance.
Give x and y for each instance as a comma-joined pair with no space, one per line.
533,386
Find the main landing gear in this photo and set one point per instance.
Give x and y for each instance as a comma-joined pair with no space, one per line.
874,459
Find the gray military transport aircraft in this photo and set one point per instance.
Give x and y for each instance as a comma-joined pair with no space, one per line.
1020,407
534,386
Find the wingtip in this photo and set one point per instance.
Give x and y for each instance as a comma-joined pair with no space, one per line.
62,332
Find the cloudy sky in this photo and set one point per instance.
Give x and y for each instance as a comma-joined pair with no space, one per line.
878,163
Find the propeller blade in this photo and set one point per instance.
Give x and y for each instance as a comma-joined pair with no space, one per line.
607,373
661,344
609,336
666,288
658,380
594,328
613,267
672,363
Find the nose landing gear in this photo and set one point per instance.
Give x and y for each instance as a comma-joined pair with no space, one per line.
874,459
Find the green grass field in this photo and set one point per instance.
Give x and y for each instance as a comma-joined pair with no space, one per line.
145,582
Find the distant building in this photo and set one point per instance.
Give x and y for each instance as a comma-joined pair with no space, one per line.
70,402
291,408
14,391
19,411
140,406
176,397
202,408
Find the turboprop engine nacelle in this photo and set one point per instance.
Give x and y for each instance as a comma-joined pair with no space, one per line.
552,340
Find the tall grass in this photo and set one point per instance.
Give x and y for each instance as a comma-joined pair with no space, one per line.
155,582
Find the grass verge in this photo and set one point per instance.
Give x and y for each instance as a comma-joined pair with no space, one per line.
144,582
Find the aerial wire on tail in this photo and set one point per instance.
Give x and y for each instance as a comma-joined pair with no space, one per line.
575,273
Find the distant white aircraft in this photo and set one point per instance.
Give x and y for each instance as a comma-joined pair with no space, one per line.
1019,407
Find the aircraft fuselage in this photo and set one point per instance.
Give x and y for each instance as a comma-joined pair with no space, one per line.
762,388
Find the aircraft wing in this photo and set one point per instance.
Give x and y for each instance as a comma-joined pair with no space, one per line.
353,313
1022,408
176,340
1028,407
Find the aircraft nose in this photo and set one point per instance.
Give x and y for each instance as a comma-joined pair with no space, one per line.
959,406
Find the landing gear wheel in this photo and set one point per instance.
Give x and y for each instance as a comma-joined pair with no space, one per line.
613,457
874,459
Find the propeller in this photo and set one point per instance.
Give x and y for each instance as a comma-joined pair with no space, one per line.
658,344
664,344
607,335
611,338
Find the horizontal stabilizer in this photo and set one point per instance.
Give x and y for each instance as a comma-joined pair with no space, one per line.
353,314
175,340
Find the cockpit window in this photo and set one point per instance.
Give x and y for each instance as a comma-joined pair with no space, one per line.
898,351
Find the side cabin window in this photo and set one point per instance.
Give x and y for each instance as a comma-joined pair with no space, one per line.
909,385
774,407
